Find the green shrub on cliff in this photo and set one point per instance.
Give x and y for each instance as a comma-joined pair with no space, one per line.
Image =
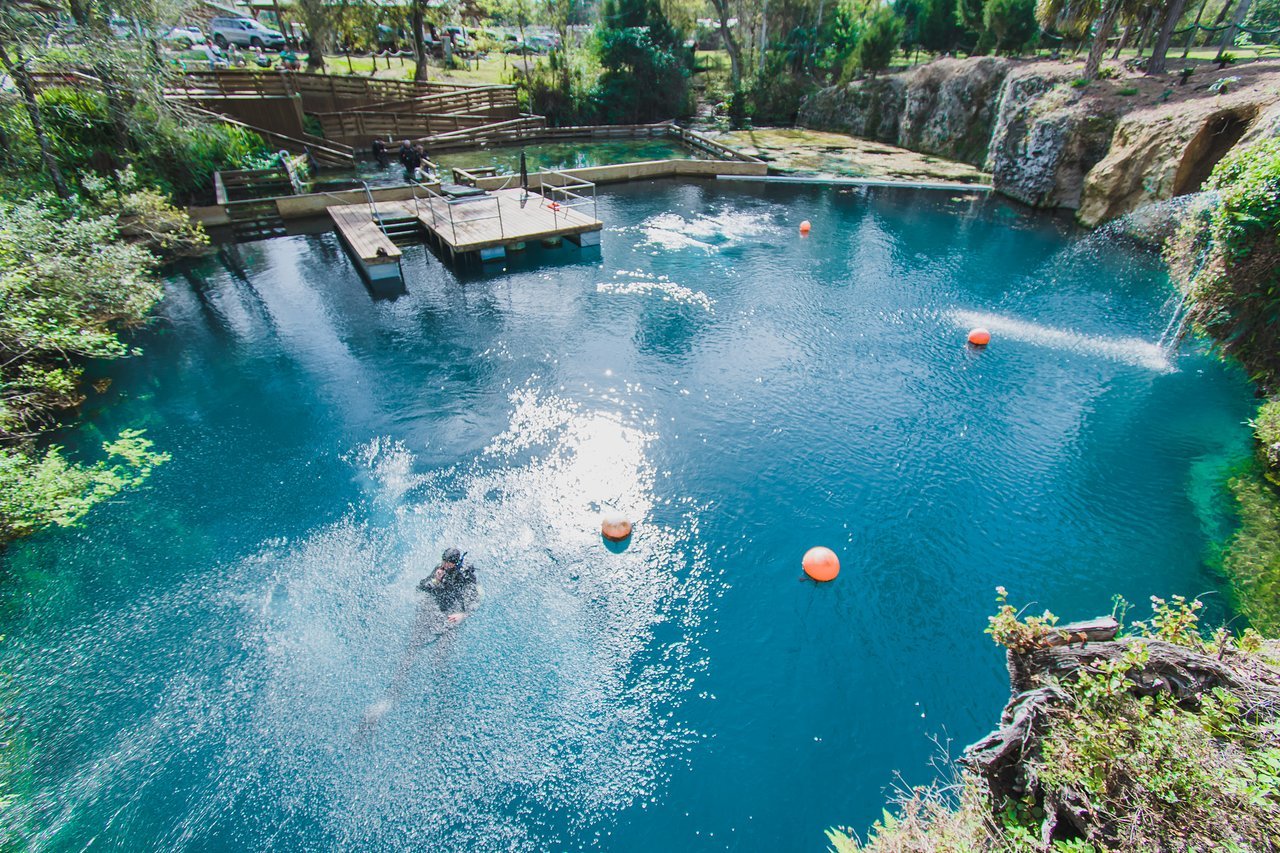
1251,559
1163,739
1227,258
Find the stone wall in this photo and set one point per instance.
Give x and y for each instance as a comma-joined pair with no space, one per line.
1104,150
947,108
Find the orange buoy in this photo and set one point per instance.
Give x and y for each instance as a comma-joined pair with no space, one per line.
979,337
615,527
821,563
805,226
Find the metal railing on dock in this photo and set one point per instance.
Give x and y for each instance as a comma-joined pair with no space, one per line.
445,214
569,193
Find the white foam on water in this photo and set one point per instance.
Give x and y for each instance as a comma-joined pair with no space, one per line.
710,233
1134,351
308,707
637,283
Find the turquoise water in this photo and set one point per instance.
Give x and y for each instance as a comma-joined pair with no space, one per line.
225,659
574,154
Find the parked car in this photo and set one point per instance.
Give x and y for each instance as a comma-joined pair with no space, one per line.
245,32
184,36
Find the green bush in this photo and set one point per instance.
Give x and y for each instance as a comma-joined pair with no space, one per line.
1227,257
69,283
178,156
43,488
1251,558
1012,23
628,55
876,43
558,88
775,92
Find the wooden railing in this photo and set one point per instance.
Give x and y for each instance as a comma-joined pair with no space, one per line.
696,140
277,83
474,100
359,127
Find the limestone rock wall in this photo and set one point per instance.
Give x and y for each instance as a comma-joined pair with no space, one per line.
1104,150
947,107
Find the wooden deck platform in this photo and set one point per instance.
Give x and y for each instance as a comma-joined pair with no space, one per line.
374,250
488,224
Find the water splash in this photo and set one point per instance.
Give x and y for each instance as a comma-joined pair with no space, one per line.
1134,351
708,232
278,717
1177,325
644,284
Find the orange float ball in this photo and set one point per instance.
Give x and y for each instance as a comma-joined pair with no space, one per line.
821,563
615,527
979,337
805,226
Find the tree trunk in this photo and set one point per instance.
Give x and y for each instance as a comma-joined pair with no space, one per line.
313,15
1157,62
1229,37
419,45
93,25
1148,27
1217,22
1106,23
1124,40
18,71
1191,36
730,43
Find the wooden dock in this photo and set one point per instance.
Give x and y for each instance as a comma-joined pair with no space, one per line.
368,240
488,224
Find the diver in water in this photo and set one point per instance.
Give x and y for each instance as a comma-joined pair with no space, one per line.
454,593
453,586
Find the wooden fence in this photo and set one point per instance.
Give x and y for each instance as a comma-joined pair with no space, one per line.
319,92
423,116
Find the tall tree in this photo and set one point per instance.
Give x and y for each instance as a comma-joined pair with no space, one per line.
1173,14
1102,32
1229,37
16,67
315,16
730,43
416,23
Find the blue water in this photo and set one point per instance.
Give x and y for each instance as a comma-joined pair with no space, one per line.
224,660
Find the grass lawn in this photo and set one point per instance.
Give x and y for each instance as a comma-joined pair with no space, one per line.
490,70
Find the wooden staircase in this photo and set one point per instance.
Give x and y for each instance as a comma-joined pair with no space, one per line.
255,219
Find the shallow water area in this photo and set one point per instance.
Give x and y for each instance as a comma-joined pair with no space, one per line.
540,156
236,656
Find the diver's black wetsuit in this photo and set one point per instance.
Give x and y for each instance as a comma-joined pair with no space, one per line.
455,592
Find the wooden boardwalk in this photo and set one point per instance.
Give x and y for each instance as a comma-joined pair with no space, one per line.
489,224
